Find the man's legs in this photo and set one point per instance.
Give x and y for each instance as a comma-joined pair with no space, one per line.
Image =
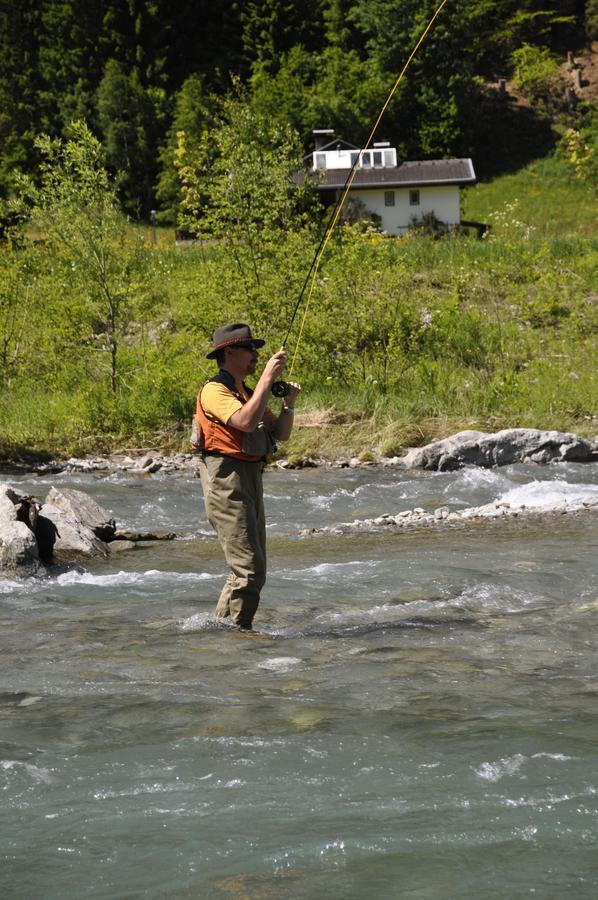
234,504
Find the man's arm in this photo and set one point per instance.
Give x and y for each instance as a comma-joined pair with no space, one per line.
251,413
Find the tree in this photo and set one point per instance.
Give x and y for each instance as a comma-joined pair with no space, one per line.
238,188
20,83
284,95
435,110
193,115
332,89
74,208
272,27
137,34
338,24
19,306
204,38
346,95
128,117
535,70
70,61
581,148
250,187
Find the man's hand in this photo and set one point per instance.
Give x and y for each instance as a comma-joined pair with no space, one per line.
284,423
274,367
294,391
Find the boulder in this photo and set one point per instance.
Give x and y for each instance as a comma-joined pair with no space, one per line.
19,553
72,538
69,525
79,507
477,448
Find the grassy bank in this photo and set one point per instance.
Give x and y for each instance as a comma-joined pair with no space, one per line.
545,195
404,341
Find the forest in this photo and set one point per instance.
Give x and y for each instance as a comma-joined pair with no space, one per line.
194,115
139,71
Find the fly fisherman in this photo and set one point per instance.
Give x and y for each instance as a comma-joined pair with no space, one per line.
236,433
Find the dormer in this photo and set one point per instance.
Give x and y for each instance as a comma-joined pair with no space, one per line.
339,154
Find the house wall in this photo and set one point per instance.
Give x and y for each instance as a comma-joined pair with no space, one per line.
442,200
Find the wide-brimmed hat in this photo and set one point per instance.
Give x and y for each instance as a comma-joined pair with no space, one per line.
233,333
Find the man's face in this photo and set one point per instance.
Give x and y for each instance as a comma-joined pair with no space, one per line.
245,356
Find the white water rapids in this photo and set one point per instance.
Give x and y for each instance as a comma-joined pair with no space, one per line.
416,718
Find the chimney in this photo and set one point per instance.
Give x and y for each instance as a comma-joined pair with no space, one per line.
322,136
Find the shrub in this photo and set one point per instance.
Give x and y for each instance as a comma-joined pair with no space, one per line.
535,70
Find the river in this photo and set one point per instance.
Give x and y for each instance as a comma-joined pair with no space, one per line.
416,717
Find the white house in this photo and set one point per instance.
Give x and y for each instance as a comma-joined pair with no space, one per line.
400,193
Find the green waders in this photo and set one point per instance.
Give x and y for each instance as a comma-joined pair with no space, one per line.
234,504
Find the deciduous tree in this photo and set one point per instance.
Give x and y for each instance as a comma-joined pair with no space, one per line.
75,211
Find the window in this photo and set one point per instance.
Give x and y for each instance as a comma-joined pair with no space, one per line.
320,160
354,157
413,198
389,198
377,158
366,160
389,157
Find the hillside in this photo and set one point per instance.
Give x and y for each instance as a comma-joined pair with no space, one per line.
139,73
545,195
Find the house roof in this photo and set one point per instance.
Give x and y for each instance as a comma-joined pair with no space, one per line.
407,174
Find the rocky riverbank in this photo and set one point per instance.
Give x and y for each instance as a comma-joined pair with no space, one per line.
473,448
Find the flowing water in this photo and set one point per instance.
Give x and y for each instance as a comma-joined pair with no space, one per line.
417,717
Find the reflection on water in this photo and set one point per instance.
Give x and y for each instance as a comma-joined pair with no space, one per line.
415,718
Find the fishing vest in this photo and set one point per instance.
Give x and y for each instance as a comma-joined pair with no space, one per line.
211,437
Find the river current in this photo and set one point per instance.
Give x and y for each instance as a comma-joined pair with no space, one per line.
417,716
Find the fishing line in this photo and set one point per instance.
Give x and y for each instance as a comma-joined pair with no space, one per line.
310,278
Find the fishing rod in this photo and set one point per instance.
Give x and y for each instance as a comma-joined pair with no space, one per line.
282,388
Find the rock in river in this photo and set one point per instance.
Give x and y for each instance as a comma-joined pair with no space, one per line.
477,448
80,507
68,525
81,526
19,552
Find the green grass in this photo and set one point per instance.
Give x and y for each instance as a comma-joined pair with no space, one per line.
406,340
547,195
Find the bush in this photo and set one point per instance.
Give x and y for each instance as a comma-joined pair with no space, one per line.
535,70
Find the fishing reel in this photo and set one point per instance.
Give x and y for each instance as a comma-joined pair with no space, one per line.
281,388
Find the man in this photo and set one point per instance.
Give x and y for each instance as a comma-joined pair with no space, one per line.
238,431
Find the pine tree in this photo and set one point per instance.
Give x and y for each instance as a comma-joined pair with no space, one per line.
70,61
20,84
127,122
272,27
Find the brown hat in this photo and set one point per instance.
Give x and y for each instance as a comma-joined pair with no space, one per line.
234,333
